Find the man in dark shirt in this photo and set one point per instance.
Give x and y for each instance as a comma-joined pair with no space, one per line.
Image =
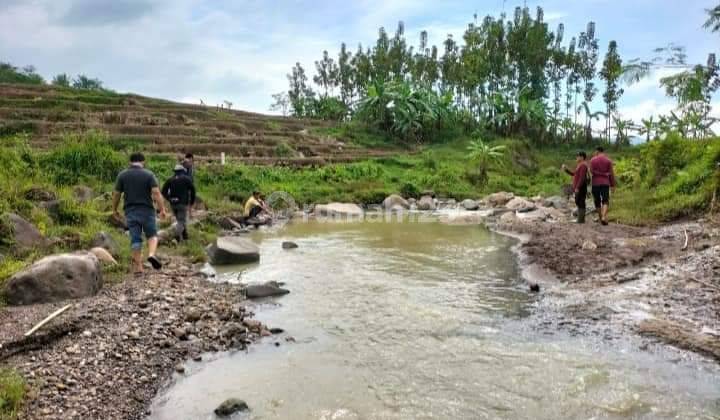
189,164
180,192
580,183
603,179
141,195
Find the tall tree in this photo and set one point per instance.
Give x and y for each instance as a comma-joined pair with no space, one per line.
299,92
327,74
61,80
346,75
587,70
611,73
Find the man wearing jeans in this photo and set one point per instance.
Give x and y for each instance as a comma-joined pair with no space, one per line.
141,195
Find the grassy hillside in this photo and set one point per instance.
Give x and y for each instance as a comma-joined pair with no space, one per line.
164,127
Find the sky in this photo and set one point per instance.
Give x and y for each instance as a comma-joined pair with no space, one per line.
241,50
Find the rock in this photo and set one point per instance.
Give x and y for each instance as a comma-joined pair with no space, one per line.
55,278
52,208
193,314
556,202
38,194
520,205
207,271
180,369
349,210
462,218
537,215
508,218
426,203
589,245
228,223
83,194
499,199
289,245
25,235
230,407
470,205
228,250
255,291
431,193
105,241
395,202
103,255
252,324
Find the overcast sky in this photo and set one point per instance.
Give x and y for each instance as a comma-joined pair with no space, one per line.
240,50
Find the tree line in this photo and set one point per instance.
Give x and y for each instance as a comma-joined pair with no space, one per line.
510,76
28,75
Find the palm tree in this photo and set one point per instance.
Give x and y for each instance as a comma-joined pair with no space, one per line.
485,155
713,21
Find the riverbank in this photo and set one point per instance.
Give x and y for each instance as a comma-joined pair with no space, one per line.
108,356
662,283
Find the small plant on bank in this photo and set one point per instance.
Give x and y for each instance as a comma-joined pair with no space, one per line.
12,392
484,155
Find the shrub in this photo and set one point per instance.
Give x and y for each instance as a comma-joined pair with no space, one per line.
284,150
82,157
410,190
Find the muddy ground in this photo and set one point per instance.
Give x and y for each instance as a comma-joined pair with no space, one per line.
617,279
108,356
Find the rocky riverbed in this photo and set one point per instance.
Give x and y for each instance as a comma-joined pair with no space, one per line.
107,356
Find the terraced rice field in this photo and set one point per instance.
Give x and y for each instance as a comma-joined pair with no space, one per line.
159,126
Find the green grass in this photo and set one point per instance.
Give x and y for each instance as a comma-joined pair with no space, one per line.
12,392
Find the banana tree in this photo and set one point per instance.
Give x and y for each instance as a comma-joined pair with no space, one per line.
648,127
590,117
484,155
623,128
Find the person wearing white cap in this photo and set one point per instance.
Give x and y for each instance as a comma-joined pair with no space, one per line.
180,192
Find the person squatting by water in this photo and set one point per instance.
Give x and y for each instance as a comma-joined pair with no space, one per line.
580,176
141,196
179,191
603,179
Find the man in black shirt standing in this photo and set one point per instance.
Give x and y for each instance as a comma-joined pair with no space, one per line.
141,195
180,192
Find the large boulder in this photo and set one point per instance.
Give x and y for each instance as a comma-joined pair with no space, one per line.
470,205
228,250
55,278
499,199
426,203
25,235
256,291
520,205
339,210
395,202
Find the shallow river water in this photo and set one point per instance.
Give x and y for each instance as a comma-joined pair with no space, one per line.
419,321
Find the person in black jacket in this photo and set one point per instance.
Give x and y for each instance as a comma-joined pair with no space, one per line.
180,192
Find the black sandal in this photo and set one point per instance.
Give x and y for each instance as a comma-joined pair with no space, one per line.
154,262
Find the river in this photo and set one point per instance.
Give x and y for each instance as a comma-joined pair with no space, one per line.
420,321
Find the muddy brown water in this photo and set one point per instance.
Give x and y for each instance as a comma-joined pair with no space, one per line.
420,321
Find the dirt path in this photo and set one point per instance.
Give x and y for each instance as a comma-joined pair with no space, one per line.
109,355
619,278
